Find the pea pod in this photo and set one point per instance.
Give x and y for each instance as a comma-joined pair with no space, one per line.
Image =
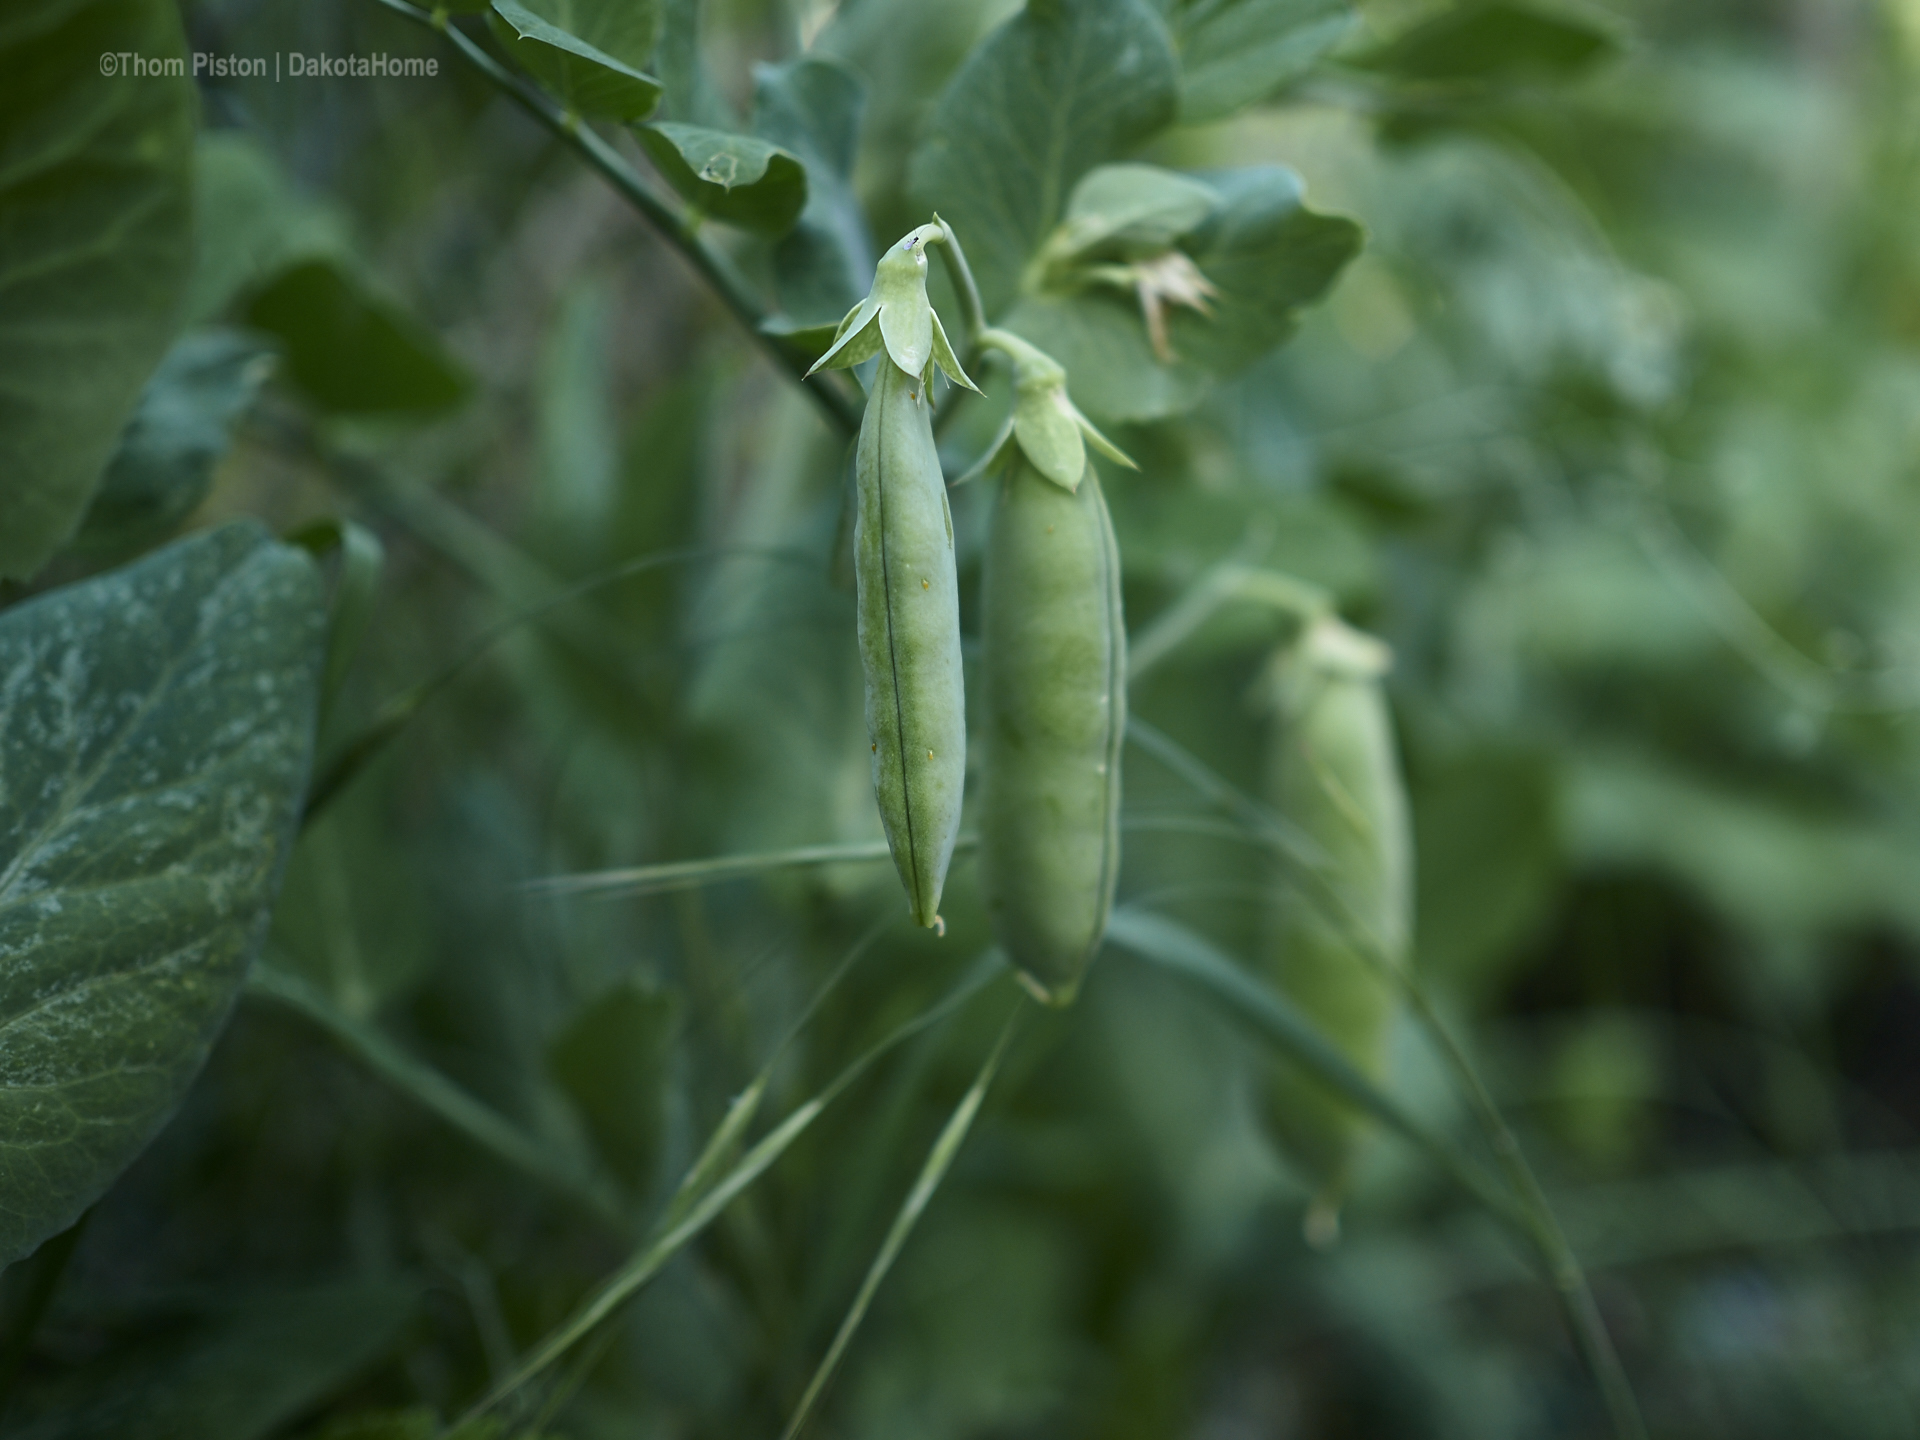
907,596
1333,772
1056,675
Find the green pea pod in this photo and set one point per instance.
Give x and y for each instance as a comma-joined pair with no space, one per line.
1056,712
909,612
1333,772
908,598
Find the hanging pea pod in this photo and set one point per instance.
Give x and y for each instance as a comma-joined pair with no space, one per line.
1056,681
1333,772
908,599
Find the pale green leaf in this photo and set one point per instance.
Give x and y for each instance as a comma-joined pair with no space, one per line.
1235,53
1062,87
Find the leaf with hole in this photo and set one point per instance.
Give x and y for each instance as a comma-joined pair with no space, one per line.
156,726
739,179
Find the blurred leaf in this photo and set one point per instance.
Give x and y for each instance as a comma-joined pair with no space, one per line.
690,93
238,1377
352,351
356,585
738,179
592,54
1487,836
578,428
1265,253
164,466
250,223
95,248
1123,209
158,724
613,1061
1235,53
1494,42
419,1423
1062,87
812,107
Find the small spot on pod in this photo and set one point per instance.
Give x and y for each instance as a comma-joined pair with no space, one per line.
923,584
929,754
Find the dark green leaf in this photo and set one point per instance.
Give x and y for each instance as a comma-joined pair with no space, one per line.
592,54
95,244
1062,87
238,1377
1235,53
1264,252
250,223
739,179
352,351
613,1061
1491,43
812,107
156,726
419,1423
164,465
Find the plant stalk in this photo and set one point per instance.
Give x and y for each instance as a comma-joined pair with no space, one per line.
673,221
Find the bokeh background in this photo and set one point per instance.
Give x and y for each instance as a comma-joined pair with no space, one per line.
1612,432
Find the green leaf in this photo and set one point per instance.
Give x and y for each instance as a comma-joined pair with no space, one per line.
1235,53
250,223
240,1376
164,466
156,726
592,54
1124,209
1062,87
612,1060
739,179
1264,252
352,351
813,107
690,92
95,245
1492,43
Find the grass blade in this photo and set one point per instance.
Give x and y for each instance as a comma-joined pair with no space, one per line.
939,1159
480,1123
1174,948
676,1233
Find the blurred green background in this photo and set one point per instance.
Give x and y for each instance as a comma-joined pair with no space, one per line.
1612,432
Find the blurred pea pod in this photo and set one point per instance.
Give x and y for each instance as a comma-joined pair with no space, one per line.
908,599
1056,676
1333,772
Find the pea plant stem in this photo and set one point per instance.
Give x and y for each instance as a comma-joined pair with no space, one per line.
674,222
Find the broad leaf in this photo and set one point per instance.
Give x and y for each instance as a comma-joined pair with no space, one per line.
592,54
240,1375
1490,43
164,465
1235,53
1062,87
689,91
1265,254
812,107
156,726
740,179
351,350
95,175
